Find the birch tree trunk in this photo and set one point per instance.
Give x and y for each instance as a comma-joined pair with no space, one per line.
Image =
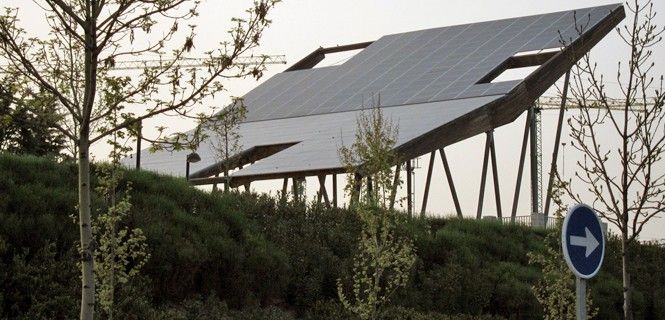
87,245
627,314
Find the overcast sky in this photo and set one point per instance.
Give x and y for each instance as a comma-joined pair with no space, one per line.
300,26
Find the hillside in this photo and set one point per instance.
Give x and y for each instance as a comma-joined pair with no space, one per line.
246,256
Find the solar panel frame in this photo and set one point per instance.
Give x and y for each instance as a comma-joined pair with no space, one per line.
436,70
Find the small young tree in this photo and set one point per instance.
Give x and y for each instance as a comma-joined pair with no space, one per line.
625,183
556,290
384,259
73,62
224,130
121,251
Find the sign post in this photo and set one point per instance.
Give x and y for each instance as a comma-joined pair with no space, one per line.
583,244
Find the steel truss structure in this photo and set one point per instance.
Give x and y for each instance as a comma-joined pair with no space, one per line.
439,85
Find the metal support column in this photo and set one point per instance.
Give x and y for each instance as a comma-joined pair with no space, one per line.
139,137
393,190
555,153
495,175
409,192
285,185
432,156
357,182
334,192
533,153
295,189
483,177
520,169
451,183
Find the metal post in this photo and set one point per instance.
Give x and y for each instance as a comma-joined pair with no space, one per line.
214,185
285,185
555,153
187,170
294,189
581,298
432,157
495,176
334,186
483,176
533,153
563,161
451,183
355,197
409,196
393,190
138,145
520,169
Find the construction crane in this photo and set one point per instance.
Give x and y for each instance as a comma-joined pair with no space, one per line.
554,103
189,62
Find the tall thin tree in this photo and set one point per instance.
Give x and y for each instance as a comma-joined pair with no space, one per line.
73,64
626,183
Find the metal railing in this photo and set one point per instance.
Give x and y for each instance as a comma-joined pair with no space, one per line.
534,220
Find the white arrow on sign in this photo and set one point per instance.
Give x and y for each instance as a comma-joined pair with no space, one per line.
588,241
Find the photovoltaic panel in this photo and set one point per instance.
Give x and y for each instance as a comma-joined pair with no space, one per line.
424,79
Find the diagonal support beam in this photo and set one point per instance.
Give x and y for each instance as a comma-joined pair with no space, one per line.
393,190
557,139
428,180
451,183
520,168
483,176
322,190
495,175
409,190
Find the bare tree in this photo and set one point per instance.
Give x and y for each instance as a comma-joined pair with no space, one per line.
224,129
73,64
626,183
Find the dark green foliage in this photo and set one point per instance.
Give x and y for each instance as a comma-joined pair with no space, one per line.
475,267
27,127
202,244
37,284
242,256
318,243
401,313
199,244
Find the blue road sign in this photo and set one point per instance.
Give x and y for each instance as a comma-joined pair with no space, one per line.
583,241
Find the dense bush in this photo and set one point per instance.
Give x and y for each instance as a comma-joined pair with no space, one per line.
244,256
199,244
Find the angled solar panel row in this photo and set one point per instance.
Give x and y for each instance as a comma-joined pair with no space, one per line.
426,80
416,67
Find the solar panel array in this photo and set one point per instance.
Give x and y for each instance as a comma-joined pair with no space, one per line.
425,79
417,67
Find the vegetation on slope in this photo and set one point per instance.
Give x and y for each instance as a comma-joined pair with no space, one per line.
245,256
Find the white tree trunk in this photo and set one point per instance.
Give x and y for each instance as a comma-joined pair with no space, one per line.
85,228
627,310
